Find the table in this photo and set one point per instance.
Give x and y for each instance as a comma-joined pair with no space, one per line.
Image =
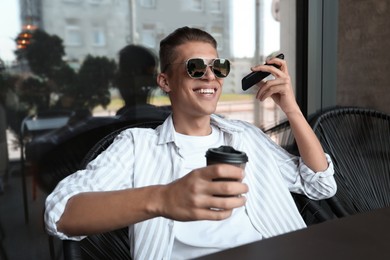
361,236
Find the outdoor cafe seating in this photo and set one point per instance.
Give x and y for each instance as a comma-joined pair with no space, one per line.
358,141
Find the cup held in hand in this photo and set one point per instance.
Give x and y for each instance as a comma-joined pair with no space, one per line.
228,155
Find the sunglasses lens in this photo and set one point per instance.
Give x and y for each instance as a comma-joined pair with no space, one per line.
221,68
196,68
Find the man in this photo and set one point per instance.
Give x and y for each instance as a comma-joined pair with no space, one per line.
157,183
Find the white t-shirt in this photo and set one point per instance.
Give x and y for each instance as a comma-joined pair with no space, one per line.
197,238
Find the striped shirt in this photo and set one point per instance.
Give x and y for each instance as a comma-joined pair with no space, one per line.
141,157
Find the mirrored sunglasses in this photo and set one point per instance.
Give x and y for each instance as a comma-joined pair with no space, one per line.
197,67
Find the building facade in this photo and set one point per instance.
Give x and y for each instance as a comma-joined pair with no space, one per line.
103,27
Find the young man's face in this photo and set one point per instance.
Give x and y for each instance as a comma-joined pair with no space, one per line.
193,97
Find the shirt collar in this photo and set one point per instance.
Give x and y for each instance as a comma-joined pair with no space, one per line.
166,131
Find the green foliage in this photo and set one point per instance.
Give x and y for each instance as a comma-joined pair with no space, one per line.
85,89
65,80
52,83
44,53
35,92
94,77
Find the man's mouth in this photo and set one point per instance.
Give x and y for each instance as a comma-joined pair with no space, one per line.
205,90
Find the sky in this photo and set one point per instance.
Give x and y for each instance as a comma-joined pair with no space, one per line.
244,31
9,28
243,28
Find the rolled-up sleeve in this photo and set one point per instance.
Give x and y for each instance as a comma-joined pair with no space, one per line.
298,177
318,185
315,185
55,206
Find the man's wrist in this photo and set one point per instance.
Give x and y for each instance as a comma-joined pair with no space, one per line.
293,112
154,206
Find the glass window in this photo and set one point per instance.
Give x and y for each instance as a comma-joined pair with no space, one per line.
143,22
215,6
95,2
98,37
148,3
217,33
197,5
149,36
73,36
74,79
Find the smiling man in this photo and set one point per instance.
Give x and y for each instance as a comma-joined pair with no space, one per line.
193,89
157,183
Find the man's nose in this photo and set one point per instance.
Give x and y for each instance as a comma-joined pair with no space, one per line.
209,73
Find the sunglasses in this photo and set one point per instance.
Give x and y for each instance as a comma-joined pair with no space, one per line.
197,67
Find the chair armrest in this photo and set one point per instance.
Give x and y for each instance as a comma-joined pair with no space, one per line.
312,211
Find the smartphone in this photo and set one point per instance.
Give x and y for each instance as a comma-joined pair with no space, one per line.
255,76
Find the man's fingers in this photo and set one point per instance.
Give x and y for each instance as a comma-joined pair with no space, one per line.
223,171
226,188
220,208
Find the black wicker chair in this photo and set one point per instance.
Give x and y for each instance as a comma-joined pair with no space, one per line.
358,140
110,245
59,154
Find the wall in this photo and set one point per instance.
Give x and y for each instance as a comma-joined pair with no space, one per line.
364,57
111,16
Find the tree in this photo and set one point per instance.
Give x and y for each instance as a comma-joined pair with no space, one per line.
51,82
44,53
85,89
94,80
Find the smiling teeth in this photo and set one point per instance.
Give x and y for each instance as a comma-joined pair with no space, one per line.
205,91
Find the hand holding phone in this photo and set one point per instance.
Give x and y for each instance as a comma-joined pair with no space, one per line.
256,76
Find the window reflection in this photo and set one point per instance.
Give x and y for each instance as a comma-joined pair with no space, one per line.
94,30
73,35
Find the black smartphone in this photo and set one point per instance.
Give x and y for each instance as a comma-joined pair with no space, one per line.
255,76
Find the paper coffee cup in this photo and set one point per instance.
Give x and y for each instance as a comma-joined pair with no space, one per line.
226,154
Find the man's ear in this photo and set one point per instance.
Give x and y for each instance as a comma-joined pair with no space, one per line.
162,81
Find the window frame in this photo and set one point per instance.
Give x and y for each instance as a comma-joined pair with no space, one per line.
68,30
151,4
101,32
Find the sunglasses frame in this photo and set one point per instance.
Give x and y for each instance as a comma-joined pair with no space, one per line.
210,64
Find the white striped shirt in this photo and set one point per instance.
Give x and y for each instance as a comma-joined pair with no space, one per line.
142,157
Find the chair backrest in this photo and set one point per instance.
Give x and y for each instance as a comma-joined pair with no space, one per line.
282,135
358,140
61,154
110,245
109,138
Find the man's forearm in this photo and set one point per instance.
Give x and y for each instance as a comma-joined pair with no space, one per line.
98,212
309,147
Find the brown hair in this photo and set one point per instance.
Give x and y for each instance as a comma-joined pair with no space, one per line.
178,37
